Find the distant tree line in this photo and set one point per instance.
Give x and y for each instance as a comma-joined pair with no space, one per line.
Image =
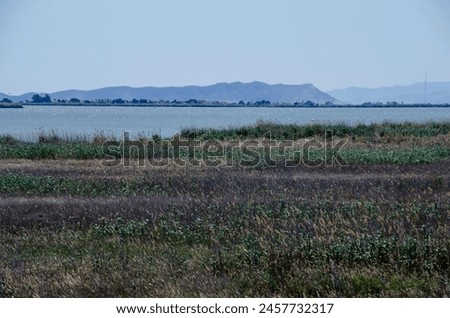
46,99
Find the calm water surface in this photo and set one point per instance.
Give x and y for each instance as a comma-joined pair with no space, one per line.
26,123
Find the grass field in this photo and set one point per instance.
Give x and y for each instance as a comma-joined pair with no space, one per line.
378,226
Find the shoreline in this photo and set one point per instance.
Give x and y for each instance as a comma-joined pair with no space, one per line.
11,106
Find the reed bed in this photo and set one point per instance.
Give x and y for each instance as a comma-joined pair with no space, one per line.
376,227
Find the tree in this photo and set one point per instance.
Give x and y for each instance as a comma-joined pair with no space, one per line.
118,101
36,98
74,100
6,100
262,102
41,100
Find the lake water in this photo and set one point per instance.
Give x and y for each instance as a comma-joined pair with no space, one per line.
26,123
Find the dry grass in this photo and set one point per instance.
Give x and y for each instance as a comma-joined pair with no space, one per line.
377,230
75,228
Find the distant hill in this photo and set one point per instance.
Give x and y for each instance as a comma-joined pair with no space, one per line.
222,92
20,98
3,96
437,93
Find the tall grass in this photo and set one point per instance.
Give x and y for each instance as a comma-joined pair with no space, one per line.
75,231
293,132
253,250
367,144
378,227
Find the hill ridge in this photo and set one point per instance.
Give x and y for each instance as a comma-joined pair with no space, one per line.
222,92
436,93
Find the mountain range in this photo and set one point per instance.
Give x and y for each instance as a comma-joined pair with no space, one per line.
223,92
418,93
432,92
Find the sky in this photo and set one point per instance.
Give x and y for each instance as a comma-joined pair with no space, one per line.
52,45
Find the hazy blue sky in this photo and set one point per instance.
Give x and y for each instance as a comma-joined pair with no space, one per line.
50,45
